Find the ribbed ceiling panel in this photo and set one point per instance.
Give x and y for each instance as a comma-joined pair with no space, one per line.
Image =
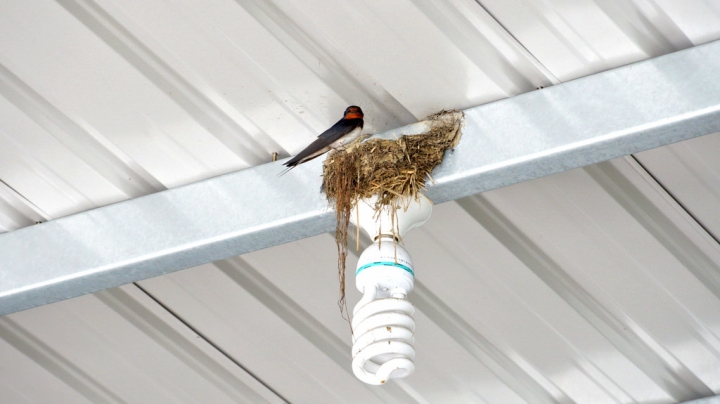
600,284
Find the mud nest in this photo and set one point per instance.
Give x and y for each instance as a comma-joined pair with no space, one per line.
388,169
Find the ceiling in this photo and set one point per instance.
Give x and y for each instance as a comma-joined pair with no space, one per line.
600,284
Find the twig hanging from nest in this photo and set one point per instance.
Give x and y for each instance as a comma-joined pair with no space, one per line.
388,169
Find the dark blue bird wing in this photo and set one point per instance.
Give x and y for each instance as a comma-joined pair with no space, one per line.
325,139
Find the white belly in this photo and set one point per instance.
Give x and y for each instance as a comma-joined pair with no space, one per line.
347,139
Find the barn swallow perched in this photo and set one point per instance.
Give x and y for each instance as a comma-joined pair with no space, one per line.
337,137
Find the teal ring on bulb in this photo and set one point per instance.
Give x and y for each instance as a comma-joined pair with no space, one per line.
385,264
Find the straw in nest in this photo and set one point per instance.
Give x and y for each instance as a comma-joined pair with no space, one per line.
388,169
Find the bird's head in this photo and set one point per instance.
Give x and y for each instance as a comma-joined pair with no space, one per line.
353,112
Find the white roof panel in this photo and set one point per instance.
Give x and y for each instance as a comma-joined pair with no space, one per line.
600,284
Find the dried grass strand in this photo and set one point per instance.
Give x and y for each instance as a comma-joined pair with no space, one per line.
388,169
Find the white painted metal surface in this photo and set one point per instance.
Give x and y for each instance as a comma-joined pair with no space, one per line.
116,346
594,285
606,115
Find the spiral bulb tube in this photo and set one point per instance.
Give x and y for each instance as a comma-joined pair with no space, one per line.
382,324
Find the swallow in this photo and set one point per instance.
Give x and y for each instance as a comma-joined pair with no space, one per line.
337,137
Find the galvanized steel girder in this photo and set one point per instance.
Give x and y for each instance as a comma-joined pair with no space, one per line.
585,121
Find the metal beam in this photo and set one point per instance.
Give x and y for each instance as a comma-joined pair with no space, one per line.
706,400
596,118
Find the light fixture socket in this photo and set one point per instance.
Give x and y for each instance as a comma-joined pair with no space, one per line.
410,213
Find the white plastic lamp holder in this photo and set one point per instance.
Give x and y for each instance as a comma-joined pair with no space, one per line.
382,324
411,213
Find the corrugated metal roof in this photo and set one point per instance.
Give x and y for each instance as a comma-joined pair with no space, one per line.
594,285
